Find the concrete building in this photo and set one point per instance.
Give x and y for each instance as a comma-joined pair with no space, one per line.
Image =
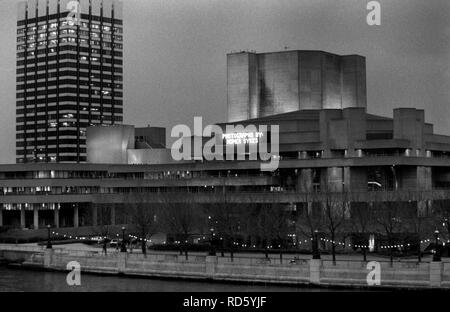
264,84
320,150
69,76
327,143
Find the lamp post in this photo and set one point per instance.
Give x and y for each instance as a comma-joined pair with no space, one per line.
49,242
316,253
123,247
212,250
437,254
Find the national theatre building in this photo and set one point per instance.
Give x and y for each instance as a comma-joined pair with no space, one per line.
327,141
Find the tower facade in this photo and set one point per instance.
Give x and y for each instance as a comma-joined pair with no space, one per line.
69,76
265,84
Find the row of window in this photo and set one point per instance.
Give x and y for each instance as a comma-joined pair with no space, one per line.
47,190
61,132
49,142
21,95
54,42
53,117
53,174
69,73
70,48
115,119
61,150
63,159
70,65
63,16
80,82
68,56
68,98
33,111
65,32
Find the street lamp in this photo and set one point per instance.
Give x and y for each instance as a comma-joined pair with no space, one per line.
212,250
49,242
316,254
124,247
437,254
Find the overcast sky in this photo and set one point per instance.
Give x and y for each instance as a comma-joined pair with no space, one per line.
175,54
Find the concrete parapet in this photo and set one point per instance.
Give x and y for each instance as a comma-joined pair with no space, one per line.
347,273
435,274
314,271
122,262
211,263
48,258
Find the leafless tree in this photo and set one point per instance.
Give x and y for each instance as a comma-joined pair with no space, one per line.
143,216
441,216
180,217
309,217
272,223
226,217
419,219
389,216
362,221
335,214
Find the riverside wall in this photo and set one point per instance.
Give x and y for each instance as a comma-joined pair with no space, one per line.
346,273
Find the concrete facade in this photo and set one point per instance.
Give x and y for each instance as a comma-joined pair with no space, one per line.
109,144
267,84
339,150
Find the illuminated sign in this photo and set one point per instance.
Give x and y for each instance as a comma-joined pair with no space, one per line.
236,138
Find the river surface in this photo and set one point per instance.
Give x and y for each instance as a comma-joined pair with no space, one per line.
18,280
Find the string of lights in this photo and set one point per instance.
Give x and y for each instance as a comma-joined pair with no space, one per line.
299,242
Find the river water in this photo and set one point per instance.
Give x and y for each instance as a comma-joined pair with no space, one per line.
16,280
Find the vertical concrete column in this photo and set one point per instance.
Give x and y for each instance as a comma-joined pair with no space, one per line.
211,263
48,258
94,215
22,217
436,273
305,181
113,215
335,179
424,180
314,271
56,217
122,262
36,217
310,208
75,217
